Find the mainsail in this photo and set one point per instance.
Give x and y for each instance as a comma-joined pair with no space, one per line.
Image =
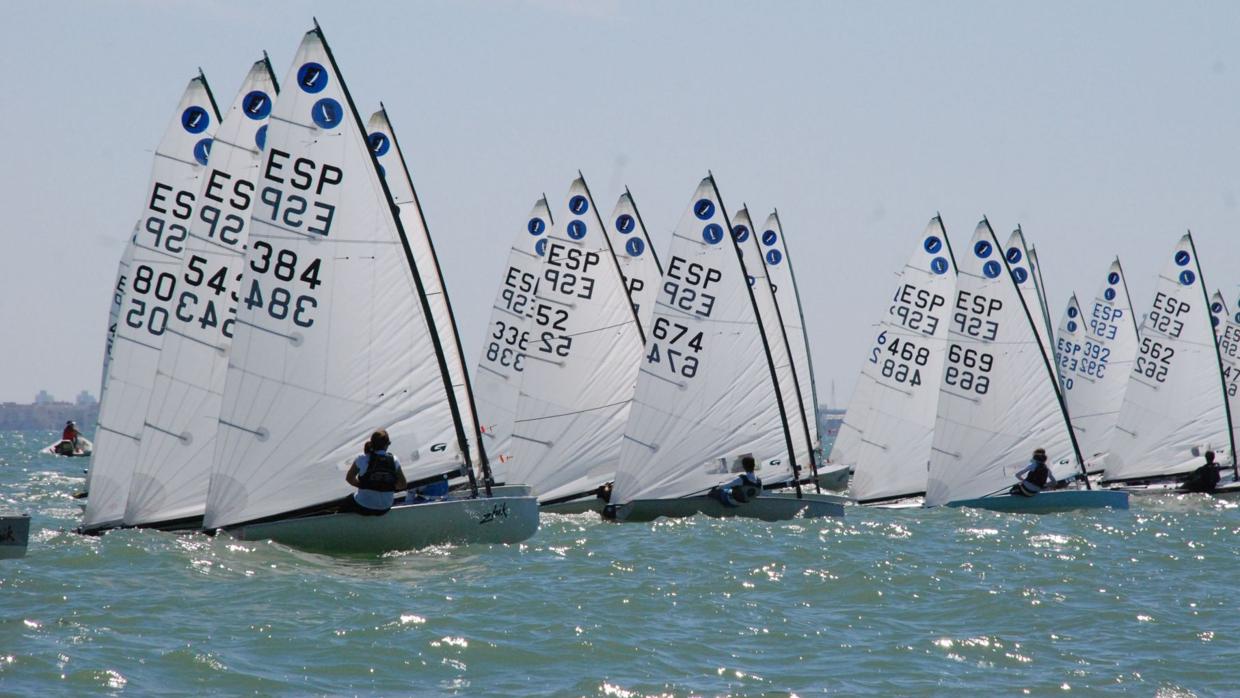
333,337
114,310
581,361
1020,261
999,398
178,439
889,426
1174,404
1227,331
148,302
1094,352
497,380
706,393
638,261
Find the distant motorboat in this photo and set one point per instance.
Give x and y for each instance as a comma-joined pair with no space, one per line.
81,447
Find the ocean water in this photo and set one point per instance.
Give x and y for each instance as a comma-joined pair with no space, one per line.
882,602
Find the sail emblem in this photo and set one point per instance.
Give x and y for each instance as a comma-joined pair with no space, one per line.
992,269
704,209
635,247
327,113
1109,294
1013,255
1113,278
577,229
933,245
1019,274
195,119
202,150
541,247
1214,320
769,238
1216,308
938,265
1182,258
625,224
1071,326
312,77
1072,312
379,143
712,233
773,257
982,250
740,233
260,137
578,205
256,105
536,226
1187,277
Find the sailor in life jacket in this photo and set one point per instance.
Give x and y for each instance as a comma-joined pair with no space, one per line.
377,476
1034,477
745,487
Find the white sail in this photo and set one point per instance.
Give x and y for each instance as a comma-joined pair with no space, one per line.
1227,331
638,261
778,265
1035,268
392,164
706,393
333,337
889,426
149,302
581,362
752,252
497,380
1174,403
178,439
1094,352
1020,261
999,399
114,309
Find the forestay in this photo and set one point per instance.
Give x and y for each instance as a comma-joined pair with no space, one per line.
148,303
580,361
706,393
1174,403
497,380
999,399
889,426
178,439
751,249
395,169
1095,350
638,261
1227,331
333,337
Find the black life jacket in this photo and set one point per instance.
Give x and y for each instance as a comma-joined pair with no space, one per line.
380,475
748,489
1041,473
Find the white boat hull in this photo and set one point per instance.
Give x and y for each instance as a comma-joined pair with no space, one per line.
1049,502
14,535
405,527
834,477
770,506
82,449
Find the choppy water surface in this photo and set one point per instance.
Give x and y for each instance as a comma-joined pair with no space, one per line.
892,602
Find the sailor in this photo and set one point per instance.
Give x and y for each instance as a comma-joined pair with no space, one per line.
70,433
745,487
1033,477
1205,478
377,475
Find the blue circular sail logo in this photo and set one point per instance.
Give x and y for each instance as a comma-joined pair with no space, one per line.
625,224
195,119
1113,278
1216,307
1238,317
1072,312
327,113
992,269
1071,326
1109,294
576,229
382,171
541,247
774,257
1182,258
740,233
256,105
1013,255
982,249
933,244
1187,277
1020,275
378,143
260,137
704,209
751,280
536,226
938,265
202,150
312,77
578,205
769,238
1214,320
712,233
635,247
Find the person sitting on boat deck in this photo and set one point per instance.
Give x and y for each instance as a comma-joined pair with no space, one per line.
745,487
377,475
1205,478
1034,477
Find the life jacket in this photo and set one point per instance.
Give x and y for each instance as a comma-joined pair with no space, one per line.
750,488
380,475
1041,473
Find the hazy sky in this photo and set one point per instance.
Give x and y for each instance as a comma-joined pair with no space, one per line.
1103,128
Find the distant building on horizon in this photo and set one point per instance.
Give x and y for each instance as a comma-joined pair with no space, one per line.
44,398
85,399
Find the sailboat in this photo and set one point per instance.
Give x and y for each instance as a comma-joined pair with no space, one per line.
999,397
639,263
334,338
707,393
1175,405
889,426
168,489
148,304
1227,332
1094,352
580,363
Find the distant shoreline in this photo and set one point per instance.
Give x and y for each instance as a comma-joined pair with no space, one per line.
50,415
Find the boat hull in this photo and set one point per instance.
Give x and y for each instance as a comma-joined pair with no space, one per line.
768,507
577,506
14,535
404,527
1049,502
834,477
83,449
